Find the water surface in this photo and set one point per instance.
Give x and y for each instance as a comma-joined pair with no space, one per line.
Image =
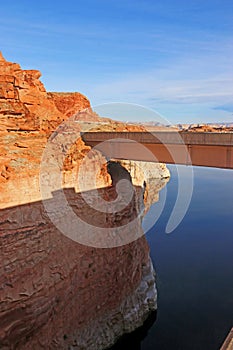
194,266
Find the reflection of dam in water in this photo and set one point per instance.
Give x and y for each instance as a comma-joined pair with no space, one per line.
56,292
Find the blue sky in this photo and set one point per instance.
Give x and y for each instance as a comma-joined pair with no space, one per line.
174,57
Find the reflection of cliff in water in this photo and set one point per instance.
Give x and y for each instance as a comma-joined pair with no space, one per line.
58,293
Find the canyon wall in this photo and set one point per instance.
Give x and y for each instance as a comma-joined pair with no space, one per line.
26,106
28,116
57,292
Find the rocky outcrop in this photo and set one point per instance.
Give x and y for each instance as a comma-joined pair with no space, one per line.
69,103
152,177
23,99
26,106
28,116
206,127
57,292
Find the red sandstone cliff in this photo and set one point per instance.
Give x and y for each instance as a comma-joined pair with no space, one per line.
25,104
28,116
56,293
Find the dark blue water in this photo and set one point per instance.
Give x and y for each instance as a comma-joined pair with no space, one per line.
194,266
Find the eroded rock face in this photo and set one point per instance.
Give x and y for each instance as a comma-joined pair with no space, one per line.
52,288
69,103
152,177
55,292
25,104
28,116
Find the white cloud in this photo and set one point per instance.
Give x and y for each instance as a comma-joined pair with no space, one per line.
202,78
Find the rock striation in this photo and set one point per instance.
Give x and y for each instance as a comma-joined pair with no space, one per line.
55,292
26,106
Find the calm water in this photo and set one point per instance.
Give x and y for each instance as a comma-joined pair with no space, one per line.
194,266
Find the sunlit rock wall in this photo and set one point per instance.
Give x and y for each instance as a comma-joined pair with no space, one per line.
55,292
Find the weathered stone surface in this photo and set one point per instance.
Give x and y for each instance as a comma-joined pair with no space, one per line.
28,116
150,176
34,109
69,103
56,293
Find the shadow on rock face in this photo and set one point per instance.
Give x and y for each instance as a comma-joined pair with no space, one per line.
117,173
